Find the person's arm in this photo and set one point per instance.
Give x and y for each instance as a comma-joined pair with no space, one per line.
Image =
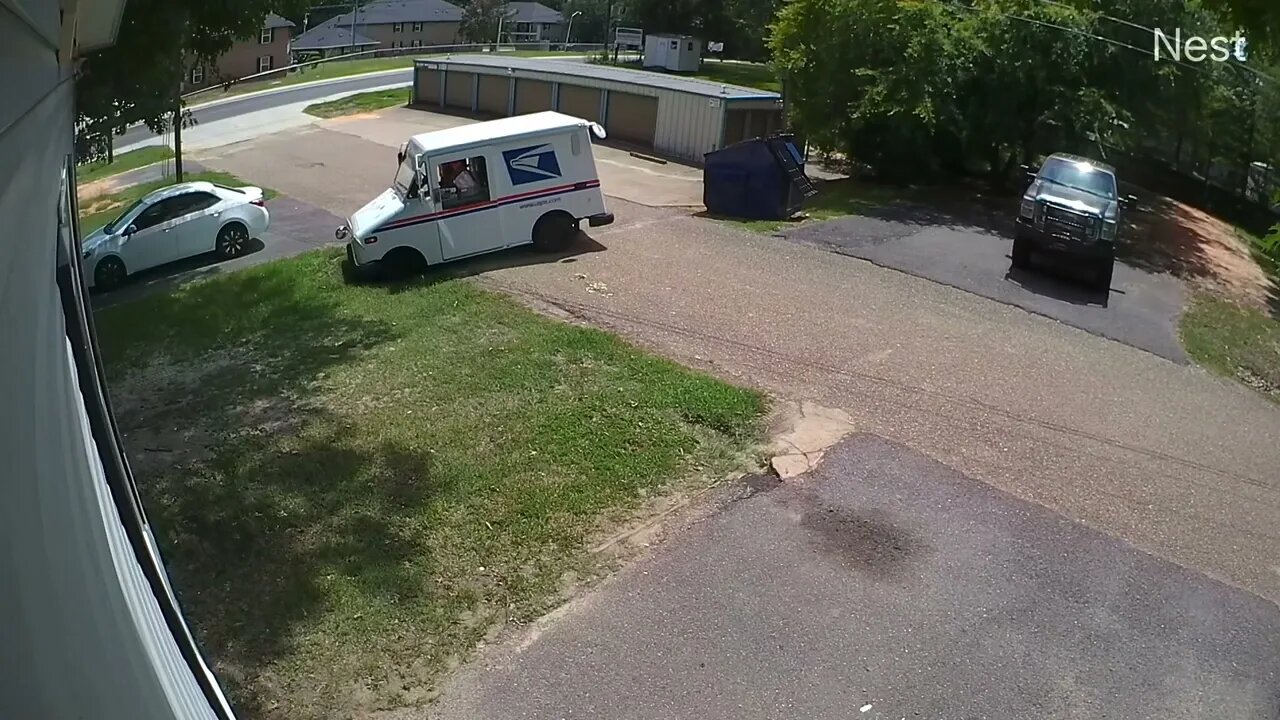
466,182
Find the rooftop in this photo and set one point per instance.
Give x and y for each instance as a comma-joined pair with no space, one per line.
329,34
275,21
383,12
569,69
533,12
486,132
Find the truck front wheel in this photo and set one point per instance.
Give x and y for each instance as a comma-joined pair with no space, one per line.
554,231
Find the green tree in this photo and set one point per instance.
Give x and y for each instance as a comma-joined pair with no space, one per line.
480,20
139,78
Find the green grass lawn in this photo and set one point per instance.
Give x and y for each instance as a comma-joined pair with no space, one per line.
752,75
131,160
103,209
360,102
1233,341
351,484
835,198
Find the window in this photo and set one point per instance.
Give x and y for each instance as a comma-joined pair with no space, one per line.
197,75
691,45
397,27
197,201
675,44
265,63
417,27
417,43
166,209
462,182
268,34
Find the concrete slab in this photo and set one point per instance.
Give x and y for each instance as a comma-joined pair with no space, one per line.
886,586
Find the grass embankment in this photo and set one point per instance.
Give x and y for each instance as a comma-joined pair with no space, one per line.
104,208
123,162
835,198
313,73
360,102
351,484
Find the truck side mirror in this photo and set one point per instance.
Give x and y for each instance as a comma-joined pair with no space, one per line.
1129,202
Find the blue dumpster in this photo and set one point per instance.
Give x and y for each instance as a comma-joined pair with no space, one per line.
756,179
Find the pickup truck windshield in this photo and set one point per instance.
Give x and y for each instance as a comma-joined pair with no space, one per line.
1079,176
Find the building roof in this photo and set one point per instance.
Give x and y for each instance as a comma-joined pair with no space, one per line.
486,132
382,12
329,34
275,21
570,70
533,12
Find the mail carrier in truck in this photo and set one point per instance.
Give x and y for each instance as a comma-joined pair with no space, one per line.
482,187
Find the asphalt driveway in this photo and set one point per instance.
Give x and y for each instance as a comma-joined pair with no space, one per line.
886,585
972,254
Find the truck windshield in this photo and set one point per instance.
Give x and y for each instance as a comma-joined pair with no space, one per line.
1081,176
405,173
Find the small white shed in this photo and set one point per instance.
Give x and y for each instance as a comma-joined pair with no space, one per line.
677,53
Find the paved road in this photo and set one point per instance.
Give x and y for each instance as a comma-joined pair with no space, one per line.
266,101
1141,309
885,579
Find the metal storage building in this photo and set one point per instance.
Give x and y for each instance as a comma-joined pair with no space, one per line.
677,117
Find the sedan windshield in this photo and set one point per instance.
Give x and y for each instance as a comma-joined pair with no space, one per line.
111,226
1080,176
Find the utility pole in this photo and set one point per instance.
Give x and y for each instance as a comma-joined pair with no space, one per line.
355,10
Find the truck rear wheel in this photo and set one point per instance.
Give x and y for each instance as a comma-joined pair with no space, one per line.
554,231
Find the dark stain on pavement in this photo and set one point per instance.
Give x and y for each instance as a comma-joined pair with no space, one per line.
867,541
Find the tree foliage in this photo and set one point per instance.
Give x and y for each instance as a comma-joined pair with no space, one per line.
139,78
480,19
914,88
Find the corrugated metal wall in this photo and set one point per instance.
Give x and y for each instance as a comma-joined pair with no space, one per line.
457,90
492,95
533,96
688,125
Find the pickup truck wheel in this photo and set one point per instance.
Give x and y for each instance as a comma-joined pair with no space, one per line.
1103,271
1021,253
554,231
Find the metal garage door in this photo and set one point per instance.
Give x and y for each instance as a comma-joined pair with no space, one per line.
428,87
632,118
532,96
457,90
491,98
580,102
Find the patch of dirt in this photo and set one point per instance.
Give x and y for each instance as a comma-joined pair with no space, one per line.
1170,236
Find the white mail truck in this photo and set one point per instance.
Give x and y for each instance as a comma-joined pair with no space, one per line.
482,187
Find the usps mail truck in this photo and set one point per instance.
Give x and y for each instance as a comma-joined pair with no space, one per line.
529,179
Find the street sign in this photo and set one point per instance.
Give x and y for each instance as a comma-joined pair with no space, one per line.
632,38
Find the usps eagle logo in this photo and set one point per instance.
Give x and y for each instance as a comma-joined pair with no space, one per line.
532,164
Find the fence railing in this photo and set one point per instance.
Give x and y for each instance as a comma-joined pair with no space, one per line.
507,47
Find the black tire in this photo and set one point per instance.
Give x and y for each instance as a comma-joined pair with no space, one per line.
554,232
233,241
402,263
1103,271
109,274
1021,253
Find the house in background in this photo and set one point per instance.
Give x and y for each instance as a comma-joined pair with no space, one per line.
532,22
267,51
382,25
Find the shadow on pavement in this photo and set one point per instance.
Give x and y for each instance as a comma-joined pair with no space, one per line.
1063,286
514,257
171,276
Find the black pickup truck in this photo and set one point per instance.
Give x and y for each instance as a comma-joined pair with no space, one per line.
1071,209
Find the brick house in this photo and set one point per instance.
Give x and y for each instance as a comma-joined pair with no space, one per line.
383,25
532,22
268,51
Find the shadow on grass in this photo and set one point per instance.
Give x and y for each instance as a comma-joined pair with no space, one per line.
256,500
169,277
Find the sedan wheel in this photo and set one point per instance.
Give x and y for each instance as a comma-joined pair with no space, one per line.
233,240
109,274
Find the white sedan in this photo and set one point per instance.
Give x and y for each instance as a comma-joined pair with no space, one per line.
173,223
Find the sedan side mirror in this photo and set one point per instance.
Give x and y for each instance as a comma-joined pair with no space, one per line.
130,230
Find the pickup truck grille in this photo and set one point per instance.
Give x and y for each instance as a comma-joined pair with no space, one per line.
1061,221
